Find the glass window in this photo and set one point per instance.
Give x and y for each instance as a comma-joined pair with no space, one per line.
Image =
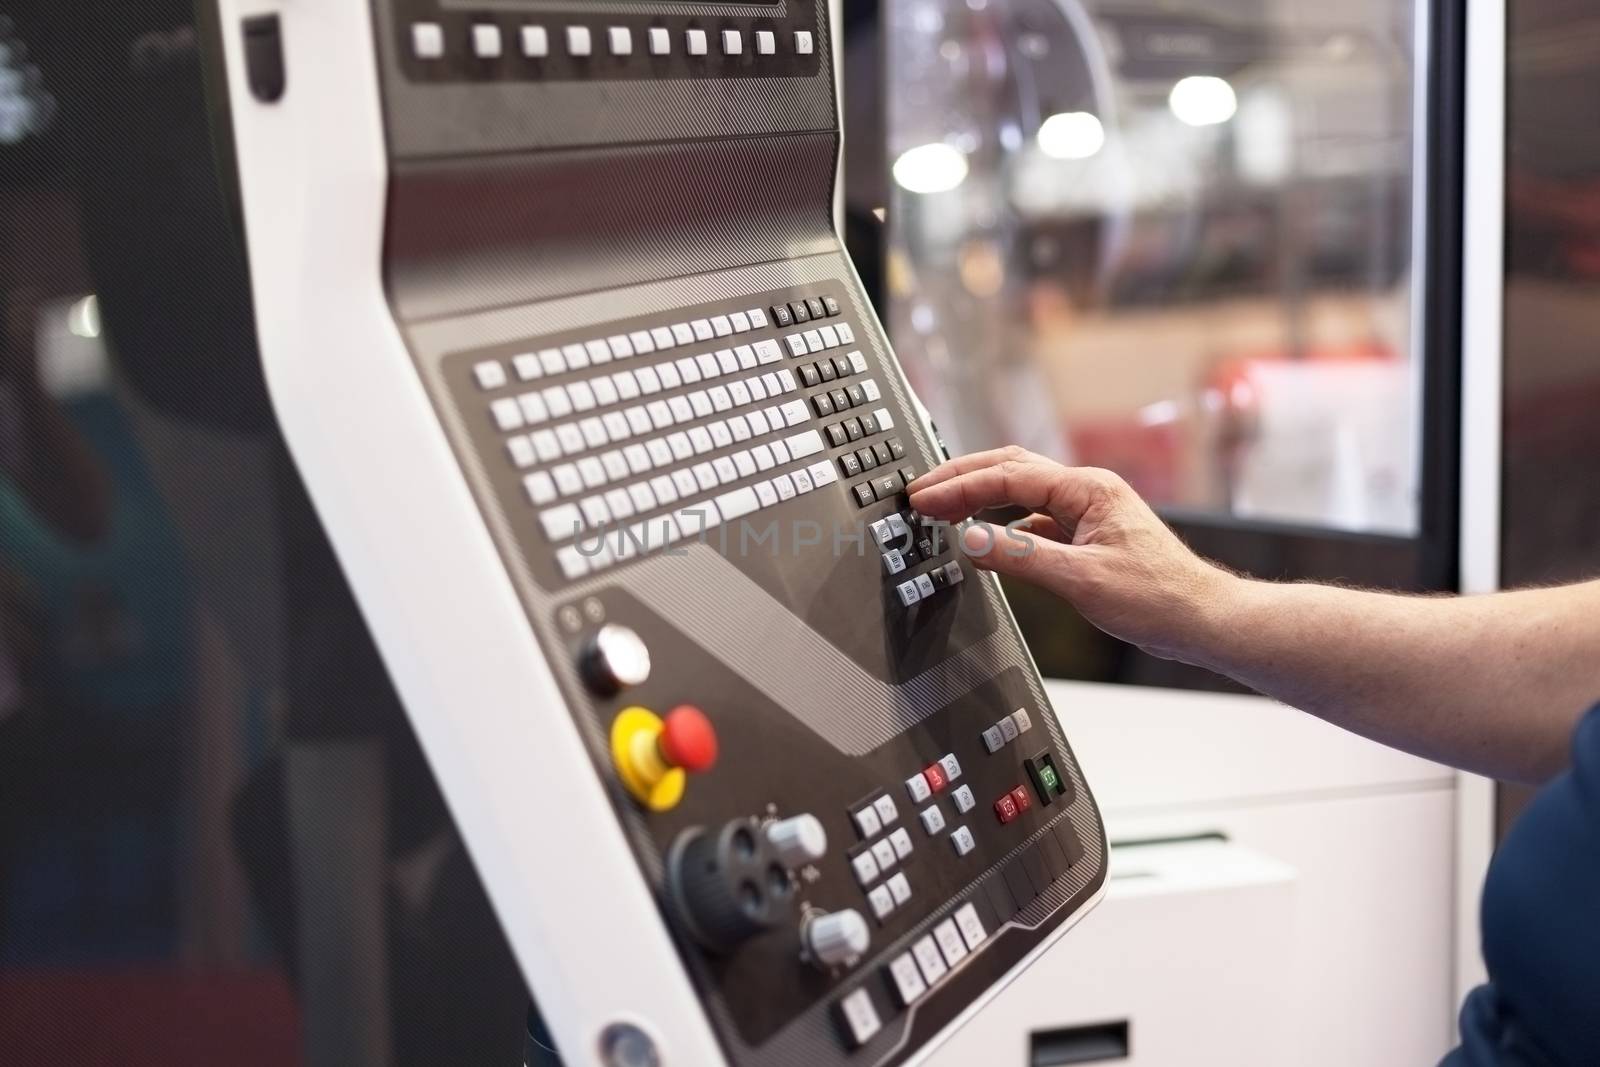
1175,240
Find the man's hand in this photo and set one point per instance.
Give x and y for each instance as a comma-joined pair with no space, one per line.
1091,541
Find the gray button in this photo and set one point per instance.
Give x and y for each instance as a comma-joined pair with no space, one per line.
993,739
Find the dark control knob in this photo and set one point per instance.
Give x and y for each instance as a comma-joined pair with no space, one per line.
729,884
614,658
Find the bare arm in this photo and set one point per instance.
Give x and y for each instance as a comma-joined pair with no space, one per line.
1492,684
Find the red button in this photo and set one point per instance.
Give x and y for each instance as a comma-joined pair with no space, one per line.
935,776
1020,797
1005,808
688,739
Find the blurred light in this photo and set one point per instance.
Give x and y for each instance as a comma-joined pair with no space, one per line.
1201,100
930,168
1159,413
1071,135
83,318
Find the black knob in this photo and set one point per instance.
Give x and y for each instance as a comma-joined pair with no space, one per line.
729,884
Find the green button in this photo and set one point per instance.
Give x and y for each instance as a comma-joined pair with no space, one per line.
1047,775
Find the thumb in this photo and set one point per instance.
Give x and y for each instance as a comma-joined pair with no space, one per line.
1018,554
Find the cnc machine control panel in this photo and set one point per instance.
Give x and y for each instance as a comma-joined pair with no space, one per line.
609,256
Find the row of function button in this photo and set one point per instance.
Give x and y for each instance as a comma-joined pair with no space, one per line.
487,41
912,974
1007,730
812,307
491,374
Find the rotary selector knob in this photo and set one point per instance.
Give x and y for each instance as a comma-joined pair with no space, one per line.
798,840
837,937
614,658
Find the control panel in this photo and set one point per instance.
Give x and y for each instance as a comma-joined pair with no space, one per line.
753,759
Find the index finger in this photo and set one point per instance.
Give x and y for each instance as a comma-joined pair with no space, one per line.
1036,484
970,462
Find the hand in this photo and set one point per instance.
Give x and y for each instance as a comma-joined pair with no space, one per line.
1091,541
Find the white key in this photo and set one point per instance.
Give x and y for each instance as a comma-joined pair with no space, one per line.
785,487
739,392
599,351
489,375
804,444
758,388
688,369
648,380
766,494
721,325
796,343
641,496
883,852
918,789
858,362
679,443
901,840
794,413
605,391
621,346
660,41
667,371
802,482
705,475
971,927
908,983
620,38
744,463
556,399
702,329
696,519
741,321
595,511
638,458
961,839
643,343
780,451
574,564
727,361
1022,720
682,410
732,43
738,503
962,798
814,341
535,45
620,503
925,586
594,432
592,471
576,355
660,414
900,888
579,41
721,436
540,487
758,423
951,766
764,458
663,337
533,407
660,452
626,385
861,1017
700,438
665,491
882,902
520,449
950,942
694,42
720,398
700,403
684,482
616,467
932,819
930,959
527,366
561,521
616,425
507,413
772,383
847,336
870,389
726,471
830,336
739,427
787,379
885,420
709,368
746,355
865,868
639,420
552,361
908,593
822,474
546,445
768,351
427,40
758,318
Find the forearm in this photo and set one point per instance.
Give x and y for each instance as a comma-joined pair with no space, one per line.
1489,683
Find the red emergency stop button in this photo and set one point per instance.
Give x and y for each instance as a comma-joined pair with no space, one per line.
688,739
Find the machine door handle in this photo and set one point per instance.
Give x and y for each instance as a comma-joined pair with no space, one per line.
1094,1043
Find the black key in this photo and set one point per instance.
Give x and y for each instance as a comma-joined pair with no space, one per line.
809,375
864,495
837,435
858,396
908,474
1038,873
880,449
815,306
926,547
823,405
825,370
831,305
869,423
850,465
842,366
801,312
887,485
1055,859
853,430
1019,883
897,448
868,460
938,577
910,556
841,399
781,316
